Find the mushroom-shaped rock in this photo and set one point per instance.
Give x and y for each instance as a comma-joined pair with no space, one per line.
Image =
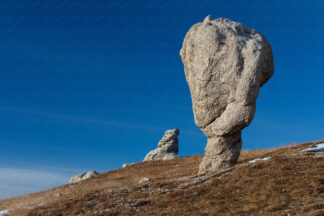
167,147
225,64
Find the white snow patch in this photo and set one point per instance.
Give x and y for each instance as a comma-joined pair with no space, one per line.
316,148
4,212
259,159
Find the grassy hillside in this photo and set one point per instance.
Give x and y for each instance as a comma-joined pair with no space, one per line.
291,182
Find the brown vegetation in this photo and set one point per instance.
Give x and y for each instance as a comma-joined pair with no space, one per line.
290,183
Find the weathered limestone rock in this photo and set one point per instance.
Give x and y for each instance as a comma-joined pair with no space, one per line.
82,177
167,147
225,64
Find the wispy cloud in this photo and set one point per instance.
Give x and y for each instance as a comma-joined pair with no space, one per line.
82,119
87,120
15,181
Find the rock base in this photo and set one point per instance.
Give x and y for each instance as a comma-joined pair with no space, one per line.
221,152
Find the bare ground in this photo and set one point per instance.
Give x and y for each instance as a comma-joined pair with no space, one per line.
290,183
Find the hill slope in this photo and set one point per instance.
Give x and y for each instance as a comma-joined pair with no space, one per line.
291,182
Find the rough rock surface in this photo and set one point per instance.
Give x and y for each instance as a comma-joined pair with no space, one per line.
225,64
167,147
82,176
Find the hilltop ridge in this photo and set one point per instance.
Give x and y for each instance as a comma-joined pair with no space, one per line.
280,181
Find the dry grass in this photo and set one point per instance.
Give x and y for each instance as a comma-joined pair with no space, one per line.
291,182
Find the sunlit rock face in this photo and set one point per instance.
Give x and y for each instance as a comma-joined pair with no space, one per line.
167,147
225,65
82,176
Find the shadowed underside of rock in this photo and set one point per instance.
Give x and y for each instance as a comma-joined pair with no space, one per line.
225,64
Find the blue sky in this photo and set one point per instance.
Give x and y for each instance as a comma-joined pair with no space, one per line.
90,85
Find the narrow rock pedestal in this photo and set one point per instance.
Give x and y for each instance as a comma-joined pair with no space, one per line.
221,152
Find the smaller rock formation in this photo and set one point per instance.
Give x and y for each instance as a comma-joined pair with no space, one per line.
128,164
167,147
82,177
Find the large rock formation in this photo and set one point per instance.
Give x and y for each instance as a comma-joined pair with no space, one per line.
167,147
81,177
225,64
